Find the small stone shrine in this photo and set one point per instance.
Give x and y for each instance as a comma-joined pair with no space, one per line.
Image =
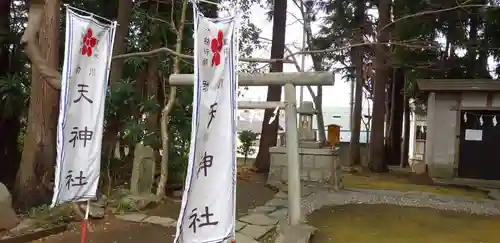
316,162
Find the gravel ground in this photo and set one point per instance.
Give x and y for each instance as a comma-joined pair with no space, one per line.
319,198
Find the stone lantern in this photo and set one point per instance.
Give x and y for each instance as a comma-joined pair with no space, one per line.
306,112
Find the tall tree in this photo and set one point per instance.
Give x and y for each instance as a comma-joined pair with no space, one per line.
39,152
357,54
307,10
269,132
110,136
406,133
396,118
377,151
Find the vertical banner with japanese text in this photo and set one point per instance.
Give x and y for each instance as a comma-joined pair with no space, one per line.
208,203
88,50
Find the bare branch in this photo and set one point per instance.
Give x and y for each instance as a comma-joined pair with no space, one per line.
463,5
297,19
53,77
169,24
360,44
178,54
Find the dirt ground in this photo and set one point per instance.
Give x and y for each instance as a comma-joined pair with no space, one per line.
251,192
362,224
116,231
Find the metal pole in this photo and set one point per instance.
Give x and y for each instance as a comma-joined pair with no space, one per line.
292,150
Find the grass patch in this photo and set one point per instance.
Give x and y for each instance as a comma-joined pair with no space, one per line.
406,181
396,224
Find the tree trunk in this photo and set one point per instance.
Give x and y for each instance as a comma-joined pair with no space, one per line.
4,37
388,104
388,114
357,59
319,116
152,72
317,58
318,98
169,104
269,132
397,108
377,160
124,14
9,120
152,81
354,146
39,152
406,136
110,135
472,44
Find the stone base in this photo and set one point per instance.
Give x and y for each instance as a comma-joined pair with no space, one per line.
296,234
418,166
316,164
442,171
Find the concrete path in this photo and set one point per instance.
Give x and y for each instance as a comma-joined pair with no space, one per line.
250,228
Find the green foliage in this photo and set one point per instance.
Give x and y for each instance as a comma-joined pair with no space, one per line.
14,93
44,215
129,106
125,205
247,139
428,42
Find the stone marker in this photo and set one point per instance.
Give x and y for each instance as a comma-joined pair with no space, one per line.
5,196
8,218
143,171
338,184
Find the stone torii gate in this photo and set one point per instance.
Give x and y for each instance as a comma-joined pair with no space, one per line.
290,81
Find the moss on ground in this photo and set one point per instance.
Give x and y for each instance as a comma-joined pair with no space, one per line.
406,181
397,224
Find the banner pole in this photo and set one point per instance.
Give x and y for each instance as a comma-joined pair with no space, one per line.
84,223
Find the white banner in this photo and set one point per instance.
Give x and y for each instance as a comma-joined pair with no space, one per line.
88,50
208,203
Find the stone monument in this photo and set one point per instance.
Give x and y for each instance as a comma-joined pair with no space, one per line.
143,171
316,162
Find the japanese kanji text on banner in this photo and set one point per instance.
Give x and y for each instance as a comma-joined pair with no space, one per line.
208,203
88,50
